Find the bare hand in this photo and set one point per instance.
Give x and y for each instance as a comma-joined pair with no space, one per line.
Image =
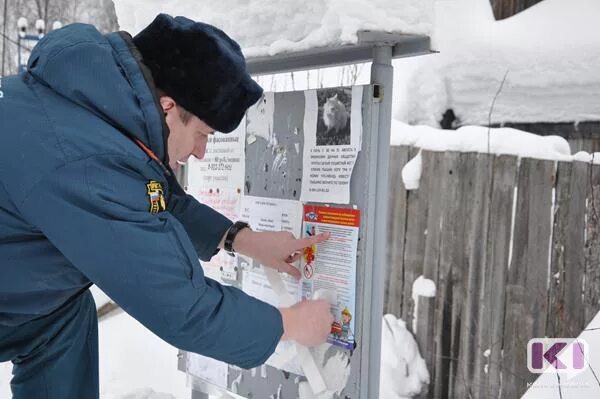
275,249
307,322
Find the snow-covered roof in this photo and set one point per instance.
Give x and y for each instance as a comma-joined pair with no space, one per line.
551,52
267,28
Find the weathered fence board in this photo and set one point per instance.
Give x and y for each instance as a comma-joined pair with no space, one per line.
460,269
491,335
530,261
414,248
565,313
592,246
426,307
452,230
399,156
514,345
476,256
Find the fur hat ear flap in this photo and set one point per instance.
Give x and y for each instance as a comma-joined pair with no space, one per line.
201,67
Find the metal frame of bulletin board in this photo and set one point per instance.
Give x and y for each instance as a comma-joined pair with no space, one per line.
368,193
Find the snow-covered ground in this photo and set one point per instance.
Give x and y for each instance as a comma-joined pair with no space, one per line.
134,363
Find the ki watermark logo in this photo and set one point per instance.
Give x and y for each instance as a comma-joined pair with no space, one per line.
557,355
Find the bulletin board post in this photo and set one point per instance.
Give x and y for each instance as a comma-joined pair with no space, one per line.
382,77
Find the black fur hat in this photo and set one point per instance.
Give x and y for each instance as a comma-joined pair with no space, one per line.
201,67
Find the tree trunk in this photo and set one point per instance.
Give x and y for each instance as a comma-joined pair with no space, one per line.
508,8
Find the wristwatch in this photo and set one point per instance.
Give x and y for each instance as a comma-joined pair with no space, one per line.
230,237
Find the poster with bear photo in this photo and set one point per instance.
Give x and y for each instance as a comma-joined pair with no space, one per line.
332,140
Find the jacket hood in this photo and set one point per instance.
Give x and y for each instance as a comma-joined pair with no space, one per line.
102,74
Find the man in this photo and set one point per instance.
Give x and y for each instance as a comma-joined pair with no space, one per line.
87,195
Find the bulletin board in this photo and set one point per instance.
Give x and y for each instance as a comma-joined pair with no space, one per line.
300,162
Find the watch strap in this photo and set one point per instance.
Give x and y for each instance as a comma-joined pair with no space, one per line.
232,233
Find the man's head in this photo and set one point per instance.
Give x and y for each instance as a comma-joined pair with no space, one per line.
199,69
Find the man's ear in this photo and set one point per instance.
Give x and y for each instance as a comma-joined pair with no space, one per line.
167,103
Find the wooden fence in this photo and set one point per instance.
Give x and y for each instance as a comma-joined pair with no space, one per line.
513,247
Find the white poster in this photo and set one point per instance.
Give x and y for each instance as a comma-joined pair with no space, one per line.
222,267
266,214
269,214
223,164
332,140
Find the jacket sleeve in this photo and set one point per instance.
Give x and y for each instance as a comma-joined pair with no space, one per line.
192,215
96,212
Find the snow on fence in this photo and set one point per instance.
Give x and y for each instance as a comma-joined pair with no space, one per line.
513,247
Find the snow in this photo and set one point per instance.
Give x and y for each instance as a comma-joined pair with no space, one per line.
135,362
421,287
480,139
583,156
266,28
551,52
403,371
99,296
411,172
5,376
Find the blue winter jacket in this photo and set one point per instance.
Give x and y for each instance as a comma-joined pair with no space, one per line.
75,206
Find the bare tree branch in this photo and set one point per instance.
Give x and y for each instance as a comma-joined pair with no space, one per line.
492,109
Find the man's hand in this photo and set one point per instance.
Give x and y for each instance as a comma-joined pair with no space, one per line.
275,249
307,322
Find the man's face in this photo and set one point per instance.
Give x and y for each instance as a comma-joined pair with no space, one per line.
185,139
